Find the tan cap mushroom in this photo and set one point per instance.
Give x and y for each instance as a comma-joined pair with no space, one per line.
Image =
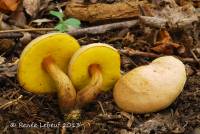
43,64
152,87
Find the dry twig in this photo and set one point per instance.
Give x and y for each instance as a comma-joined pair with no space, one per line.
132,52
90,30
4,106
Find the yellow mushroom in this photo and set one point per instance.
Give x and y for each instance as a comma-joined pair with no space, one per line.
43,64
152,87
92,69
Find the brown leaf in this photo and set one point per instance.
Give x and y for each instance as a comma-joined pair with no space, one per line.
8,69
167,48
8,5
165,45
31,7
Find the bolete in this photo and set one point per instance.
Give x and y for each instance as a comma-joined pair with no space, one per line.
43,65
152,87
92,69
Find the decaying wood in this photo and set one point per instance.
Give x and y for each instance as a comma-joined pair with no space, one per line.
102,12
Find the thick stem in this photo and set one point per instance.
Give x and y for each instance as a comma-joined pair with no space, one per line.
90,92
65,90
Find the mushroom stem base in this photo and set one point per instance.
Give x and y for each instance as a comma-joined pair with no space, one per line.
65,90
90,92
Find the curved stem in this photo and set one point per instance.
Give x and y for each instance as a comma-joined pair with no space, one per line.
90,92
65,90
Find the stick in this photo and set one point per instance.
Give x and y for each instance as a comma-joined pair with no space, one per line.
28,30
4,106
103,28
132,52
195,57
90,30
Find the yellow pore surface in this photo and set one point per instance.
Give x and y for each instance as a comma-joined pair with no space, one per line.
104,55
31,76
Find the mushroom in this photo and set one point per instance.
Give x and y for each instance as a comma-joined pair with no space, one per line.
92,69
43,64
152,87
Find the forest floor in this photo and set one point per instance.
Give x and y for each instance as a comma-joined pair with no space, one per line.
20,110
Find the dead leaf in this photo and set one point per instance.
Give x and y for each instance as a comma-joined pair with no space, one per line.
40,21
165,44
31,7
8,5
18,17
6,45
8,69
167,48
44,4
2,60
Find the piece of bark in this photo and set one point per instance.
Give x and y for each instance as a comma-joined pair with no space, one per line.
103,12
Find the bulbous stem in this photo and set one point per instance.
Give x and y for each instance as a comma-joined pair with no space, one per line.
65,90
90,92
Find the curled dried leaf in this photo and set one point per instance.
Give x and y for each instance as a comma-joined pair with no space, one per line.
165,45
31,7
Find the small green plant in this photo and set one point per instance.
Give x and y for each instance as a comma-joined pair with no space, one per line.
65,25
